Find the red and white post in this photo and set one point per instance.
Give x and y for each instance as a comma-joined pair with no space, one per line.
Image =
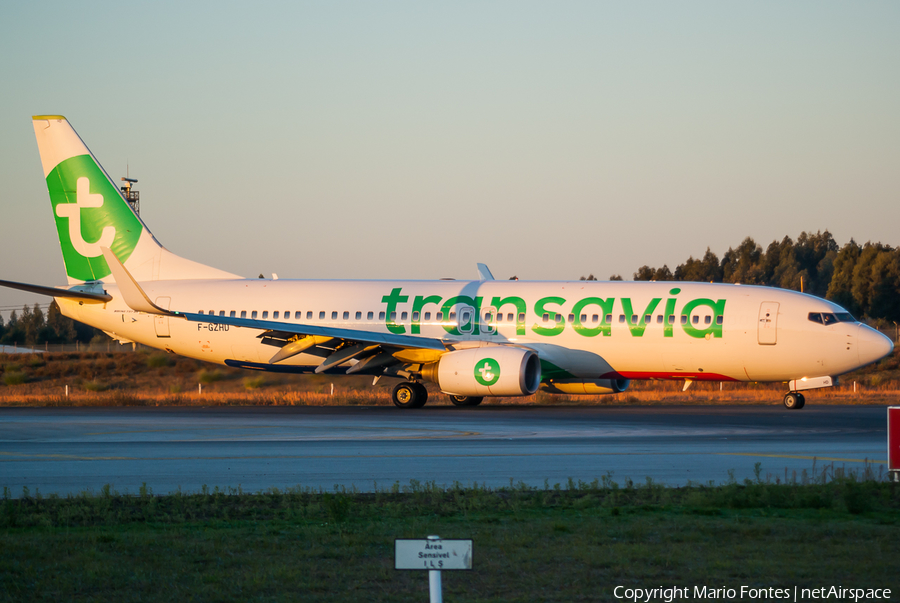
893,440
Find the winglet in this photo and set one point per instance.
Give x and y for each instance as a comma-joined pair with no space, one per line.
131,292
484,273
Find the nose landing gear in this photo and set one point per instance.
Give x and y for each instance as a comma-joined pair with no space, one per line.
794,401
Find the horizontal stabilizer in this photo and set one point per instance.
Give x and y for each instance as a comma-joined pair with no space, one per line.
89,296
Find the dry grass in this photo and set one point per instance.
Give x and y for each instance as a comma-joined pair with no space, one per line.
148,379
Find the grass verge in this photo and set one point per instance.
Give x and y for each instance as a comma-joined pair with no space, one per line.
571,542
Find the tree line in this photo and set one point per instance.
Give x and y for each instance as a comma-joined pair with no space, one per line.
864,279
32,327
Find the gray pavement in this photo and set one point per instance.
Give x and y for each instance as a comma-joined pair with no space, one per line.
76,449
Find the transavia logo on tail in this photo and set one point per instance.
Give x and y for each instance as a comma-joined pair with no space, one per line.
84,200
90,214
487,371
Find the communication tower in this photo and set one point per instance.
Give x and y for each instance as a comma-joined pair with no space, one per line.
131,196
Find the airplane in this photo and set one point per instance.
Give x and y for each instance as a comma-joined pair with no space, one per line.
473,339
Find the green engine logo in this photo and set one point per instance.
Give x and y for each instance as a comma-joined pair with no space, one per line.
487,372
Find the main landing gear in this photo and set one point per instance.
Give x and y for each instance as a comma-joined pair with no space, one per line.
409,394
794,401
466,400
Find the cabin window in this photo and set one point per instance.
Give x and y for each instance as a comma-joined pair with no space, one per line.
381,316
634,319
695,320
231,314
309,315
621,318
359,316
253,314
707,320
370,316
346,315
546,317
333,315
243,314
571,318
439,316
719,320
275,314
583,318
521,317
212,312
265,314
659,319
393,316
221,312
511,316
608,318
321,315
452,316
298,315
683,319
287,315
415,317
671,319
428,316
404,315
500,317
558,317
595,318
488,317
201,312
648,319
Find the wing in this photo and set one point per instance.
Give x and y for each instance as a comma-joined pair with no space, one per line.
367,351
75,293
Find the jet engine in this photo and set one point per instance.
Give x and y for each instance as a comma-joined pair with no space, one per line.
487,371
594,387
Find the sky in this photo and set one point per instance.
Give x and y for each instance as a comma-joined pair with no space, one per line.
415,139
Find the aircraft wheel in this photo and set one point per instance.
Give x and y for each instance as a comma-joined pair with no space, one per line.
793,401
801,401
408,395
466,400
421,395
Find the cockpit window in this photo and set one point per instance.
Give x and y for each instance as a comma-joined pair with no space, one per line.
829,318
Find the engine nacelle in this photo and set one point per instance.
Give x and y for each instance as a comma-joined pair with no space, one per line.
594,387
487,371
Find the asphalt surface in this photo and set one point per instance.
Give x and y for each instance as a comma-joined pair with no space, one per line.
77,449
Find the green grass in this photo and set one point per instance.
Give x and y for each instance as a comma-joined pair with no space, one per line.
254,382
572,542
14,377
210,375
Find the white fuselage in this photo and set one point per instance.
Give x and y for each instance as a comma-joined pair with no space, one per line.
581,329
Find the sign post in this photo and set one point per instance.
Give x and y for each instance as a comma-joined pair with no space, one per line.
893,429
435,555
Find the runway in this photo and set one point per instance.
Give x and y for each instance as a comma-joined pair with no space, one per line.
256,448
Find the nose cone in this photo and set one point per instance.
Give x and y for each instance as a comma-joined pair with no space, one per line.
872,345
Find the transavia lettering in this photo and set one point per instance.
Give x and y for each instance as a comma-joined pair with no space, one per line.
700,318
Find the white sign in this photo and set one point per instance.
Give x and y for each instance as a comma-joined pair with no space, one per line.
432,554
